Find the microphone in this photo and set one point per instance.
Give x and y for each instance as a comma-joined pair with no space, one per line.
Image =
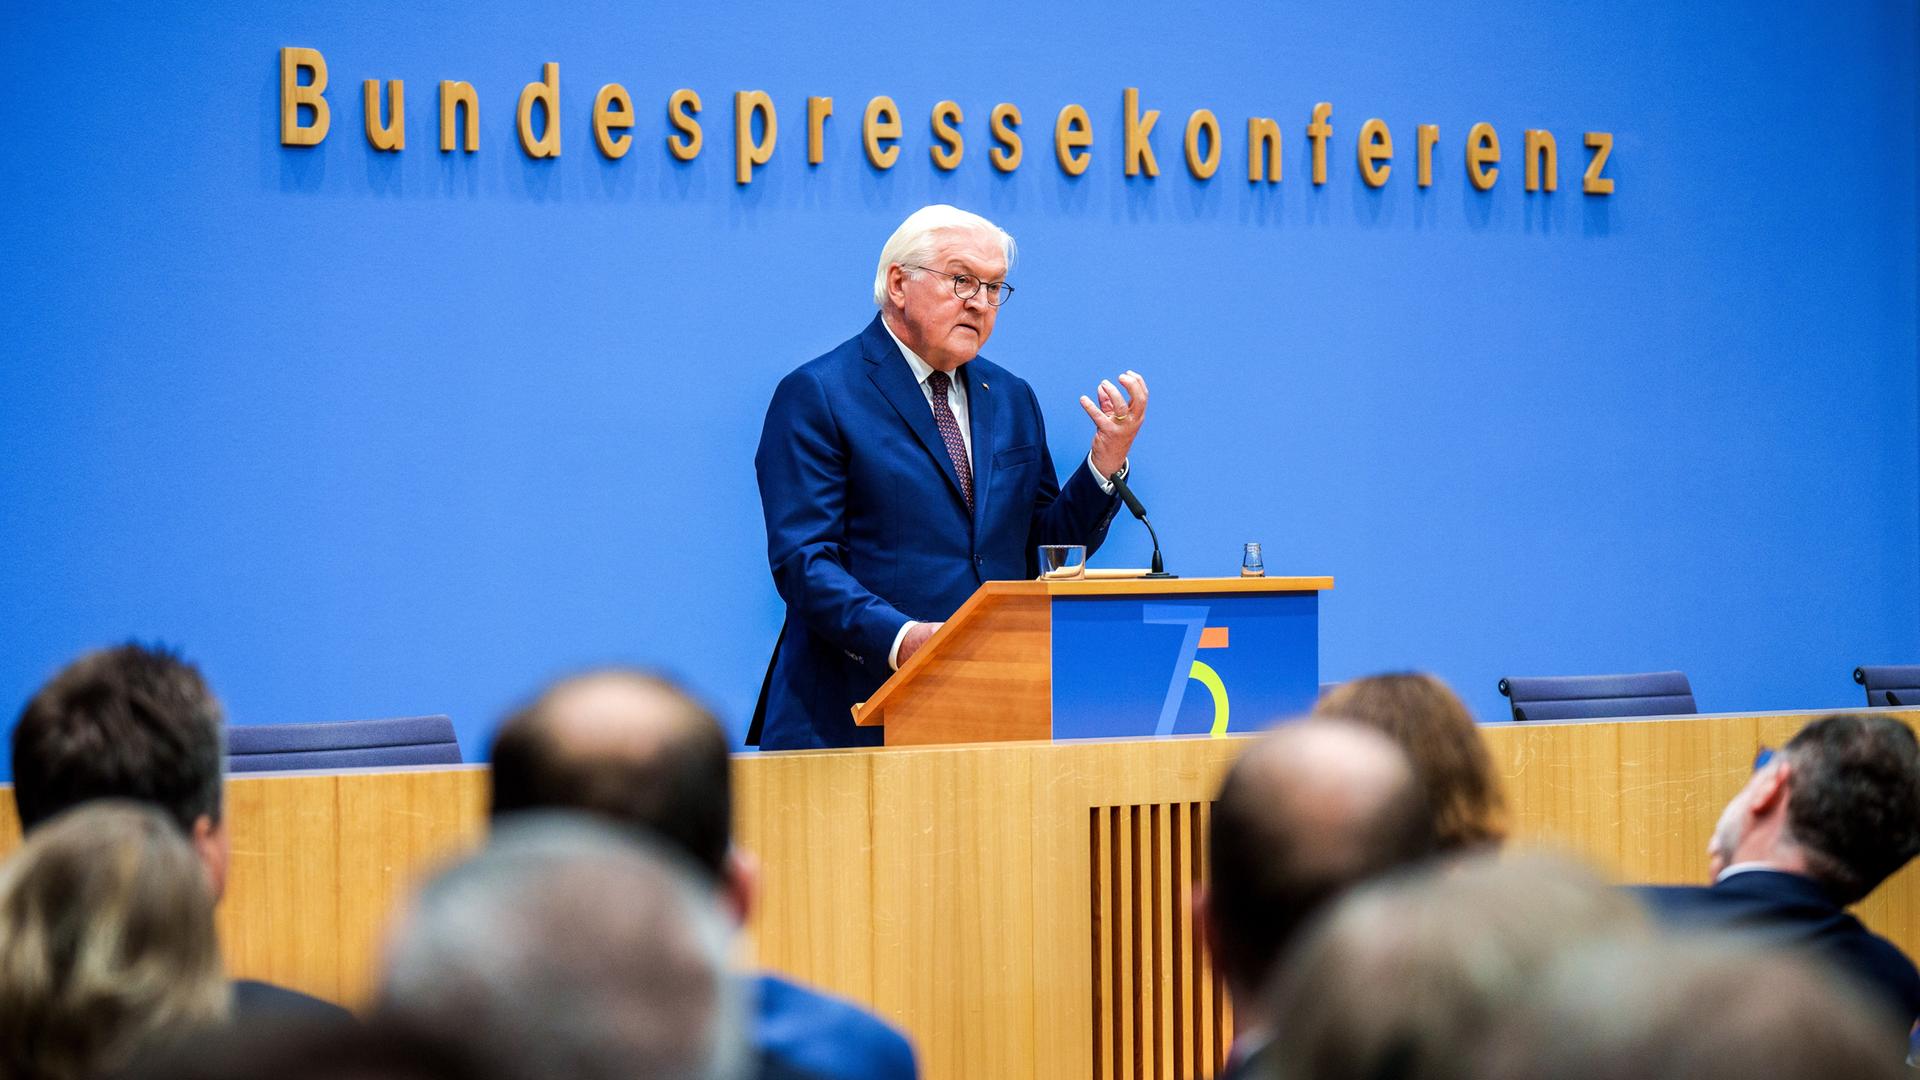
1133,505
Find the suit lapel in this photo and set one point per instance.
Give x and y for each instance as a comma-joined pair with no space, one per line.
894,379
980,418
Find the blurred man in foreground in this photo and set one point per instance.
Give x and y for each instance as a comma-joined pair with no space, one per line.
637,751
1308,810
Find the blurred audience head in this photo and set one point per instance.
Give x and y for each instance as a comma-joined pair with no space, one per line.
1707,1008
107,946
1433,726
1309,809
1405,978
567,948
1840,803
634,749
131,722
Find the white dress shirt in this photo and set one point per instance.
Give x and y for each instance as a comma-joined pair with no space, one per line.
957,402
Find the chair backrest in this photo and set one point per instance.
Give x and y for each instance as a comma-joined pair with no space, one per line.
1580,697
346,744
1890,684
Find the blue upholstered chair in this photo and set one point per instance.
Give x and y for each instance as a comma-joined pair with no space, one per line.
1579,697
1890,684
347,744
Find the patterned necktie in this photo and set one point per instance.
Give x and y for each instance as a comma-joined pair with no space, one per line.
950,434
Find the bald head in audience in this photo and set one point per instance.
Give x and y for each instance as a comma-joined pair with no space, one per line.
1308,810
633,749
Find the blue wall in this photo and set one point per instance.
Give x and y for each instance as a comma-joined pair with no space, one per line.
372,434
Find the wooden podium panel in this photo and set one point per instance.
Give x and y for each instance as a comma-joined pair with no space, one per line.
1020,909
1106,658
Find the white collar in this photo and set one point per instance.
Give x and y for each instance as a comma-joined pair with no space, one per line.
1742,868
921,369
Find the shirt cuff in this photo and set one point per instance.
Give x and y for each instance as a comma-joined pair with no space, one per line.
1106,485
893,654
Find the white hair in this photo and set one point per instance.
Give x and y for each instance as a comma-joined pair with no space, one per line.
572,951
913,242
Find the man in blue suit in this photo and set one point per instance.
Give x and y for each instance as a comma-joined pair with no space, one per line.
901,470
1818,826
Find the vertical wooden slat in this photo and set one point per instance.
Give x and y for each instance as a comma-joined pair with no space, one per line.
1202,962
1123,942
1162,944
1180,970
1098,833
1137,1023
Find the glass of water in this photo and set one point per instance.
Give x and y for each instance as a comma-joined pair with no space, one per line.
1063,562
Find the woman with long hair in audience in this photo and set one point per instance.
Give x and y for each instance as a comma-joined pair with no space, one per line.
1433,726
107,946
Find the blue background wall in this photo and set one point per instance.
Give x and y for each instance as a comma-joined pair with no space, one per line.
375,434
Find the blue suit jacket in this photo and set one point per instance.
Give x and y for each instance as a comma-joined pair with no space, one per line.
1795,911
802,1034
867,529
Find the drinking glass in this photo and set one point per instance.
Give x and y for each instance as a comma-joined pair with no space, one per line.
1062,562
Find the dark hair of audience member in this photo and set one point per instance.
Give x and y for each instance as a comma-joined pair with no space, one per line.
107,946
1278,849
1854,807
1710,1007
131,722
672,781
1431,723
381,1048
1405,977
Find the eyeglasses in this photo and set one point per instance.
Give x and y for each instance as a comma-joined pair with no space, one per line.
965,285
1764,758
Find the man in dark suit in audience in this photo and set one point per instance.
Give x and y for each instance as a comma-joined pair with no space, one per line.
637,750
1818,826
1309,810
139,723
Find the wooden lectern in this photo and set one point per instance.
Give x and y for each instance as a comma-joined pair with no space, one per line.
1082,659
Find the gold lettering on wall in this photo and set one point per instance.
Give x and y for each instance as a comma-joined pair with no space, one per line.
818,109
1317,132
1263,150
1483,153
1139,147
1072,134
879,130
682,108
1591,182
947,144
1542,157
305,119
1376,149
391,135
612,109
748,152
1006,135
454,95
1203,122
294,97
546,92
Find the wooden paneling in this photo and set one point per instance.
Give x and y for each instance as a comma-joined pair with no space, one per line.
1022,909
